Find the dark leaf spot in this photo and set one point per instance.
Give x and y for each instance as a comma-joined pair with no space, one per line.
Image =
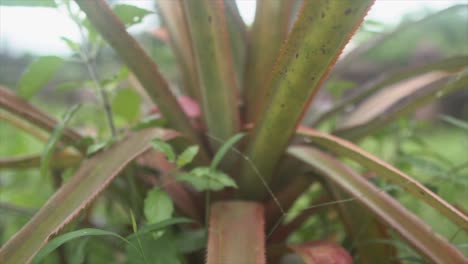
209,19
297,55
322,15
348,11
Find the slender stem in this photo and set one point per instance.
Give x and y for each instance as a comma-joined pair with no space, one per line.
88,59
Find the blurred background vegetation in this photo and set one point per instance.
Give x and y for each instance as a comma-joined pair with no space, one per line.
430,145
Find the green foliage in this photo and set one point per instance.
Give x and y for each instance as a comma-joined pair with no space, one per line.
205,178
187,156
158,206
129,14
38,74
210,74
165,148
126,104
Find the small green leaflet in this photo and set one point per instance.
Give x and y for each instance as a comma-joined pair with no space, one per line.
187,156
158,206
75,47
224,149
126,104
129,14
54,139
205,178
165,148
38,73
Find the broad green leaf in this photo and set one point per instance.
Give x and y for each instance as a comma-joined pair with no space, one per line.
126,104
404,222
225,148
165,148
158,206
29,3
320,33
91,178
130,14
62,239
38,73
455,122
187,156
236,226
269,30
205,178
213,57
144,68
388,172
49,148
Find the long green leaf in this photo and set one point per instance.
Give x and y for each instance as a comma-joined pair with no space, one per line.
237,37
268,32
176,24
62,239
137,60
452,65
213,56
348,149
406,224
317,38
92,177
397,100
236,233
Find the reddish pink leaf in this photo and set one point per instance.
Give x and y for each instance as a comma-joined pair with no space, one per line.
190,107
